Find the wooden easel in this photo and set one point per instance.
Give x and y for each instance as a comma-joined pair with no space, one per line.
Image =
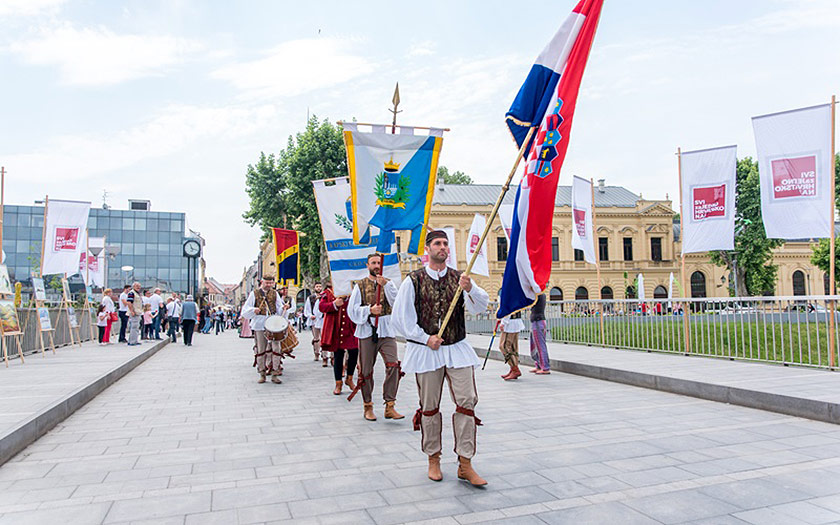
65,308
38,305
17,337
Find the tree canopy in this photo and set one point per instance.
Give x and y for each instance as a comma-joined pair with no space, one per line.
458,177
280,188
820,257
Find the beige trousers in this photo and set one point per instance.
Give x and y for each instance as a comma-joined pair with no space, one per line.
387,346
267,357
509,345
428,418
316,343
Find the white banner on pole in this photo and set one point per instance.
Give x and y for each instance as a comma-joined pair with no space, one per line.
582,236
640,287
506,218
452,260
708,207
348,261
65,236
480,267
795,170
95,274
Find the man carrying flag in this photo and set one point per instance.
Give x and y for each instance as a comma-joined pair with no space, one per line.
547,99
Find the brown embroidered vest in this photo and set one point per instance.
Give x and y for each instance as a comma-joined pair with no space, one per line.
431,302
368,291
270,299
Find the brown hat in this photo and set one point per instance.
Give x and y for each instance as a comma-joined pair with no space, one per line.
267,277
435,234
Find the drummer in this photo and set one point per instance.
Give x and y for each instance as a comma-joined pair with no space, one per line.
262,303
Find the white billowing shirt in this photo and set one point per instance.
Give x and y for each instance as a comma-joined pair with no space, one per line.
361,314
251,312
173,309
512,326
420,358
310,310
108,303
123,301
155,301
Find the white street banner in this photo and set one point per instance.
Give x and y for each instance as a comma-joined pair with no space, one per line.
582,235
348,261
708,207
95,273
506,218
794,163
480,266
640,287
452,260
65,236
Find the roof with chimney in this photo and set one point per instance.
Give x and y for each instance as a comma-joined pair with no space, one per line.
486,194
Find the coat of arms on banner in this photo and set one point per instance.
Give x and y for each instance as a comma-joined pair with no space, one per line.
392,186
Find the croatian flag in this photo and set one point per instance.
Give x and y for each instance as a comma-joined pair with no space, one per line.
547,99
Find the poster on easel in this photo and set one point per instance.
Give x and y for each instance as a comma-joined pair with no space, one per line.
71,315
9,327
5,282
40,289
44,319
65,288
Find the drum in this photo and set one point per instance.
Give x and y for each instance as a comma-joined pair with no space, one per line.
276,328
290,342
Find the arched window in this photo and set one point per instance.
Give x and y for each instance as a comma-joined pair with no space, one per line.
698,284
301,296
606,293
581,294
799,283
660,292
556,294
630,292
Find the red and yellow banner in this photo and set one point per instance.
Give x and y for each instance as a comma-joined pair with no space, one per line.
286,255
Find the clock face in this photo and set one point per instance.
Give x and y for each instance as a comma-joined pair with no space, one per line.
191,248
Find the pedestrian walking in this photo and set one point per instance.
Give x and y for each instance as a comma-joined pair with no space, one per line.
539,350
134,301
173,311
123,313
338,337
509,344
189,313
108,303
156,301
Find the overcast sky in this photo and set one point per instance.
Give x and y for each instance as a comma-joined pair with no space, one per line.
171,100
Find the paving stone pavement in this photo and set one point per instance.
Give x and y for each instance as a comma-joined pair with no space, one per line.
189,437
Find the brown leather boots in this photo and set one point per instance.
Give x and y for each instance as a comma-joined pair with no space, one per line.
369,415
465,471
391,412
337,390
434,467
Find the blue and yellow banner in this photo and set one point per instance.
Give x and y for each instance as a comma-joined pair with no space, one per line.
287,256
392,182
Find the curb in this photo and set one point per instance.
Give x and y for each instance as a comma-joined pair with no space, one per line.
824,411
27,432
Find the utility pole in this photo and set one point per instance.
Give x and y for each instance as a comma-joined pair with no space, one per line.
396,102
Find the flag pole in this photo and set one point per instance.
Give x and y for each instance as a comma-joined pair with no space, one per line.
685,303
43,237
487,227
597,261
831,324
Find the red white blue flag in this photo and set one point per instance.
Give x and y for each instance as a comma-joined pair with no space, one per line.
547,99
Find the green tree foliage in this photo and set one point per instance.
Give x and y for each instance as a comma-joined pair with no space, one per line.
820,257
458,177
752,260
280,188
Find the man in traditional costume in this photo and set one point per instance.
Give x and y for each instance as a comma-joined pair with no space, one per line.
338,337
262,303
315,320
370,308
509,344
421,305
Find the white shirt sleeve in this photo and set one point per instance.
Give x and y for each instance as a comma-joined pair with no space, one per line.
307,309
391,291
476,300
248,311
358,314
404,317
280,304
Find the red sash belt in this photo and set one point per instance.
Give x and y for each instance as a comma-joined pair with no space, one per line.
419,415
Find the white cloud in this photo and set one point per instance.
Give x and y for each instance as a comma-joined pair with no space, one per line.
28,7
173,129
98,56
296,67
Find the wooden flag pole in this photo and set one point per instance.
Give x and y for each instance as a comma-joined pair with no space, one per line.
597,261
685,303
831,287
487,228
43,237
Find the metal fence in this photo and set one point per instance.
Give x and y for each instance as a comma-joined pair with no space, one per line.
30,341
788,330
